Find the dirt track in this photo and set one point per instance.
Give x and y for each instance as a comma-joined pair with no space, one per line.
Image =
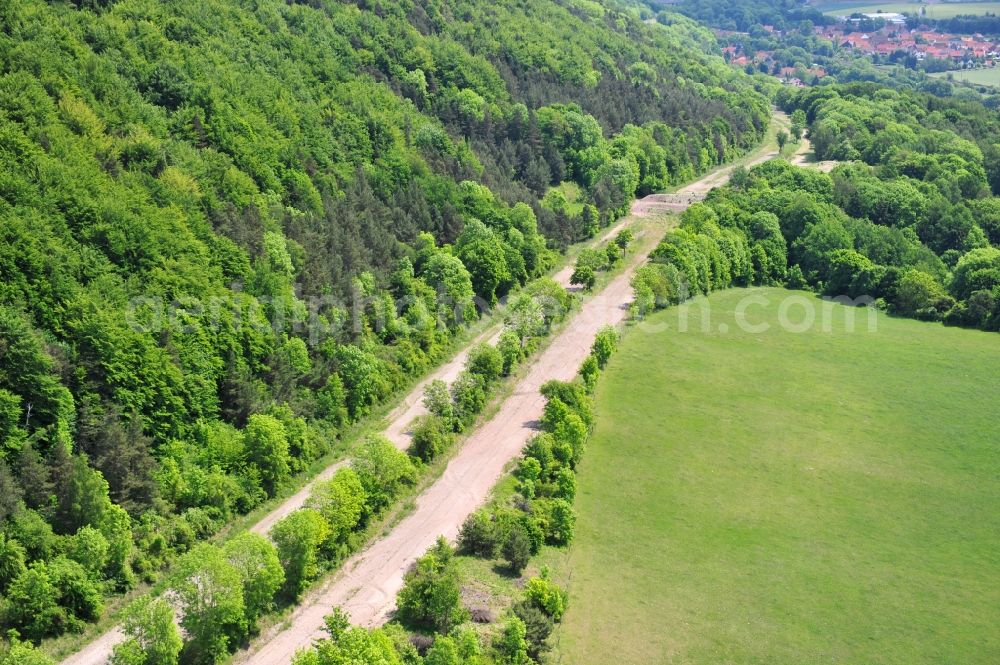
367,584
99,650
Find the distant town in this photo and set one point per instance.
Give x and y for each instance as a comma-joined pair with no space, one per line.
885,37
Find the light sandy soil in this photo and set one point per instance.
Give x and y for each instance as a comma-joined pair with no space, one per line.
367,583
805,157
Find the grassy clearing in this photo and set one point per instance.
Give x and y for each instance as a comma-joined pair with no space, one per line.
936,10
988,77
789,498
574,197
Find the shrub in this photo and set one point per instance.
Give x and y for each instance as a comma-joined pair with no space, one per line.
478,535
604,345
298,538
486,361
431,596
546,596
32,605
589,372
583,276
431,437
517,549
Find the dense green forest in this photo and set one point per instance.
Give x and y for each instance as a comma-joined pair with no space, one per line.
909,220
742,15
229,229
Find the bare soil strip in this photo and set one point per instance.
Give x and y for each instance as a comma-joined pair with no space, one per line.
367,583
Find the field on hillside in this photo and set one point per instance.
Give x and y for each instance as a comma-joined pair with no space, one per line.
936,10
990,77
781,497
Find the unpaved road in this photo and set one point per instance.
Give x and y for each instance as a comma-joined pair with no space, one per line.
398,422
367,584
680,200
805,158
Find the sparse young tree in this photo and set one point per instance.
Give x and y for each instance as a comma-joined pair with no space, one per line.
431,595
382,470
267,449
209,592
341,502
605,344
257,562
152,636
510,645
298,538
517,549
437,400
431,437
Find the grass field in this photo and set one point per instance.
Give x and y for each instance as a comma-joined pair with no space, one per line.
936,10
824,497
988,77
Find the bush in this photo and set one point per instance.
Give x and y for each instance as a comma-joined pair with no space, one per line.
32,604
486,361
431,595
431,437
589,372
919,295
583,276
298,538
604,345
546,596
23,653
478,535
12,559
517,549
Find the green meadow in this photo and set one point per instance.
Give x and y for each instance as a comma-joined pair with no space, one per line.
941,10
789,497
988,77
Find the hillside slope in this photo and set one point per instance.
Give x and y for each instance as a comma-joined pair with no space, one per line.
229,229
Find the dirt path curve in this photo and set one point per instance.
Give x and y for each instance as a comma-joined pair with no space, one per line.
805,158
